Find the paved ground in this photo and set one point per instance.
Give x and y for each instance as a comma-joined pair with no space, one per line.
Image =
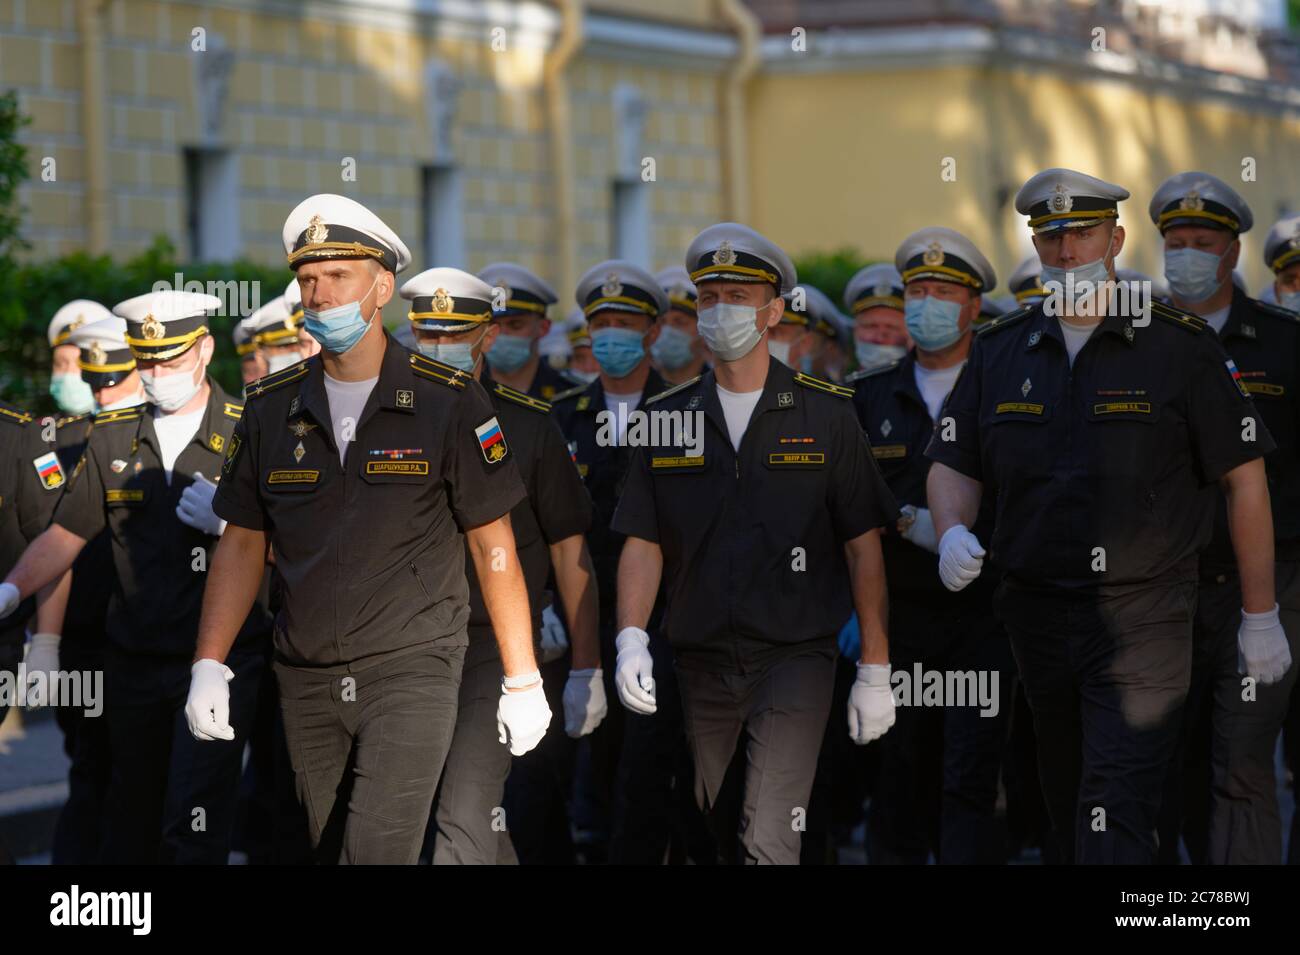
33,786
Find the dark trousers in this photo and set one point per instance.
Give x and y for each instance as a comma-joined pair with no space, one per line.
367,748
1222,793
938,785
539,786
80,826
782,710
172,797
637,788
469,819
1106,678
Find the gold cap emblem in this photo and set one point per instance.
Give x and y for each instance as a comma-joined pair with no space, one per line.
612,287
76,323
317,231
1192,201
441,301
151,328
933,254
97,354
725,254
881,290
1061,201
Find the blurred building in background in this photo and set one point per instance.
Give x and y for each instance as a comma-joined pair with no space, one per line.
557,134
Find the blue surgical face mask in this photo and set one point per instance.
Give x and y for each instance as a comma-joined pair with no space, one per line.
933,323
509,353
338,329
672,349
457,354
71,394
1289,300
870,355
1087,278
618,350
1193,275
806,364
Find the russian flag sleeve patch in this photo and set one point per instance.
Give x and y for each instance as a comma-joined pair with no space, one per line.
491,440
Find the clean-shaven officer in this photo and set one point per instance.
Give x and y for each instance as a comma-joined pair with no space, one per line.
765,537
1239,691
1096,426
365,470
451,314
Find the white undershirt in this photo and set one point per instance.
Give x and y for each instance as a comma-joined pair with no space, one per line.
621,406
1075,336
1218,318
346,399
738,408
174,432
934,385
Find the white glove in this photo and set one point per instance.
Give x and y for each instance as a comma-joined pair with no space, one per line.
921,532
871,703
634,671
584,701
42,657
1262,650
523,716
960,557
10,598
554,640
195,507
208,708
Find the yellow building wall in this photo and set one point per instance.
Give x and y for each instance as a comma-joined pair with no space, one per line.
306,92
856,158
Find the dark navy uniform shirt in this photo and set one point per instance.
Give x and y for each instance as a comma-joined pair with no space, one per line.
1097,471
370,553
753,540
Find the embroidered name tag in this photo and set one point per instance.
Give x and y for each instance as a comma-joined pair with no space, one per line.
792,457
292,477
123,496
397,467
1114,407
677,462
1018,407
890,450
1264,388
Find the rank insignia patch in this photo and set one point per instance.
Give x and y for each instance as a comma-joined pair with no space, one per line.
216,442
50,471
491,440
405,399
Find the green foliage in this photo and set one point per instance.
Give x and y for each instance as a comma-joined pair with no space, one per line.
830,271
30,294
13,170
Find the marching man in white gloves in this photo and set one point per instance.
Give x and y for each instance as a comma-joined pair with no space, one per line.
944,278
143,479
370,472
766,536
451,317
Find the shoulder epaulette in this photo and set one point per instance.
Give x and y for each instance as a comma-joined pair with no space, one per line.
1176,316
119,414
70,419
519,398
13,416
673,390
1002,321
570,393
255,389
808,381
862,373
1277,311
233,409
448,375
